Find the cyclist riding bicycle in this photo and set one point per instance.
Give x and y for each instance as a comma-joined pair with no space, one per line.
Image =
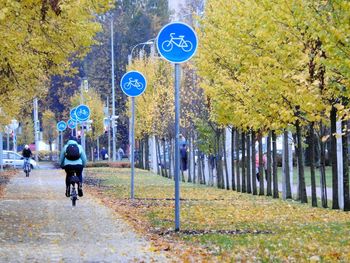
26,153
73,160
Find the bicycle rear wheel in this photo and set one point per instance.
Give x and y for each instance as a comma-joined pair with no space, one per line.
73,195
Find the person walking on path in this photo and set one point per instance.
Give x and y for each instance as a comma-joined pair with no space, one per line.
103,153
257,164
183,155
120,153
73,160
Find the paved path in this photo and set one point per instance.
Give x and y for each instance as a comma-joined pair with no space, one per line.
38,224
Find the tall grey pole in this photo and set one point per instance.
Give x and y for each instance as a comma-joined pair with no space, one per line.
113,95
109,132
1,153
177,148
62,140
14,140
132,146
36,129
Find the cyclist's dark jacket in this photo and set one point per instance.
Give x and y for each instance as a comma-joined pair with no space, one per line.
27,153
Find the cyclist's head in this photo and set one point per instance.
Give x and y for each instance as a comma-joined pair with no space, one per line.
26,146
73,138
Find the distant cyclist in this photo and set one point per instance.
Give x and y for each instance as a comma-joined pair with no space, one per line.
73,160
26,153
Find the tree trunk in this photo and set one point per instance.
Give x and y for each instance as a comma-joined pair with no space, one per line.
302,188
323,168
189,166
274,165
171,159
147,153
141,155
157,154
159,159
225,160
261,167
219,164
243,164
345,166
286,166
333,117
50,145
164,159
203,180
233,182
312,164
194,161
238,185
255,192
268,163
199,169
210,169
248,159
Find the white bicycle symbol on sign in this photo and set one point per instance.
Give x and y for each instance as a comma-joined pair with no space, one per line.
82,113
180,42
133,83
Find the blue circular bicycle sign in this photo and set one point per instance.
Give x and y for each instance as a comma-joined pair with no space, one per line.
71,124
133,83
177,42
61,126
82,112
72,114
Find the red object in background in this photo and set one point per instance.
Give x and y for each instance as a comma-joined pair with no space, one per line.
32,146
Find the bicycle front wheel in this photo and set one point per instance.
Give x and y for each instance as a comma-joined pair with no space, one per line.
187,47
140,86
74,201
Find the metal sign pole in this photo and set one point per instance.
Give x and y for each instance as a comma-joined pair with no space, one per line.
62,140
177,147
132,146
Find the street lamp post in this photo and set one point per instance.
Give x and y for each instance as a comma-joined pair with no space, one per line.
132,126
114,131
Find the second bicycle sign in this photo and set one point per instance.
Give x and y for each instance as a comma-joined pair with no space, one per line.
133,83
177,42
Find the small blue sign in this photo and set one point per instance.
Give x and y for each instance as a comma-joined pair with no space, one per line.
71,124
133,83
82,112
73,116
177,42
61,126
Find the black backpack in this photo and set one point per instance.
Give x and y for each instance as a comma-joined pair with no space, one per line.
72,152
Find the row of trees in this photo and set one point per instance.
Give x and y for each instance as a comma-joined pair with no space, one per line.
266,67
41,38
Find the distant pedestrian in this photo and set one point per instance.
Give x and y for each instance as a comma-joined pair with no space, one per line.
120,153
104,154
257,163
183,155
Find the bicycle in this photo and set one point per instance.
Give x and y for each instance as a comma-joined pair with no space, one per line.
180,42
74,180
133,83
26,167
